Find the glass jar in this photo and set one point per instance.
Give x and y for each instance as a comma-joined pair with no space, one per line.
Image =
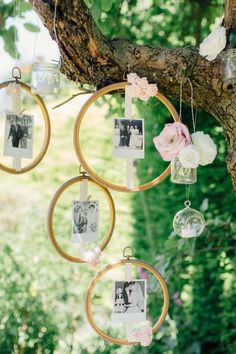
229,66
182,175
45,79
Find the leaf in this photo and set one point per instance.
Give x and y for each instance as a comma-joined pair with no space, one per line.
9,41
107,5
30,27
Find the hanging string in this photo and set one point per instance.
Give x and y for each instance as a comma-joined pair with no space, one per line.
16,14
36,36
55,30
187,191
194,118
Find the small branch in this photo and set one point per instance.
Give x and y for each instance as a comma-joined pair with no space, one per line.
72,97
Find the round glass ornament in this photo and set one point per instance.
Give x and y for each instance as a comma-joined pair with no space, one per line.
188,222
182,175
45,78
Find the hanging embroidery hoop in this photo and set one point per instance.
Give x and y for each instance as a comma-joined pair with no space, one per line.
91,100
105,270
51,210
47,134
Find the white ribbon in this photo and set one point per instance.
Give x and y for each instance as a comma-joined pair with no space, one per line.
83,193
128,115
128,275
14,91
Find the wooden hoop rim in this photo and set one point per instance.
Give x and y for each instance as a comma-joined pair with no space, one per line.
100,274
51,210
47,134
91,100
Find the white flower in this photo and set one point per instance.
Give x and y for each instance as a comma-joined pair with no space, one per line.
206,147
212,45
189,156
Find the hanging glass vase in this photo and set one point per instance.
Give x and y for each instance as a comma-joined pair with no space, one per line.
45,79
188,222
182,175
229,66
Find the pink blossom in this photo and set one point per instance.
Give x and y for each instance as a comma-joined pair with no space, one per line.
132,78
140,87
174,137
142,335
92,256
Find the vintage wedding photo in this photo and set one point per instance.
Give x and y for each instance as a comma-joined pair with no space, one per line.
129,301
18,140
85,221
128,138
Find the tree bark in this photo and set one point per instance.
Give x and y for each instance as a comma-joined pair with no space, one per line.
89,57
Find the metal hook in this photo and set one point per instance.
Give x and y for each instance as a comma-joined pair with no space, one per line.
126,72
130,254
14,74
83,173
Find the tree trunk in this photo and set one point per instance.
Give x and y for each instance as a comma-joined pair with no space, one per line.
89,57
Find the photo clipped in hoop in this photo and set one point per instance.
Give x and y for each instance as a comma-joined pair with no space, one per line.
18,140
129,301
128,138
85,221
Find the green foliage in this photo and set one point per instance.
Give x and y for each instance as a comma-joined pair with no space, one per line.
11,12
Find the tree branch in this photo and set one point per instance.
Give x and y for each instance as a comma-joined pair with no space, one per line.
89,57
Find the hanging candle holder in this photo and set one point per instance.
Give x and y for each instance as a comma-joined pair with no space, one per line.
77,141
85,223
228,60
181,174
19,126
188,222
45,78
132,309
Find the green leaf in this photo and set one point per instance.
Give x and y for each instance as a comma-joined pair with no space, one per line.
9,41
30,27
95,11
107,5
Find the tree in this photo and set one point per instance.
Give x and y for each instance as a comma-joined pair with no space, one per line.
88,56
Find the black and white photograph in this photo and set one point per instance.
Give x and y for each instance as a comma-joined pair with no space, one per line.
85,221
18,140
128,138
129,301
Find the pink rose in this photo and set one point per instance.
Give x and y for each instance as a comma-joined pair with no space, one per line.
140,87
174,137
132,78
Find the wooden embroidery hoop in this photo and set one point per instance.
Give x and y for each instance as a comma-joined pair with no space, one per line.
46,119
77,145
106,269
51,210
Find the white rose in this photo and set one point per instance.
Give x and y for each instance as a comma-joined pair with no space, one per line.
206,147
212,45
189,156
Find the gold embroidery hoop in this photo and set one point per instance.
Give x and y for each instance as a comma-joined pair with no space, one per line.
51,210
106,269
47,124
88,103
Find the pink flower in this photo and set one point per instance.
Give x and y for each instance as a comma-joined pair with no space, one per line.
142,335
174,137
92,256
140,87
13,89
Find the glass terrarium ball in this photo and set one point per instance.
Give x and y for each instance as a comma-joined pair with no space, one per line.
188,222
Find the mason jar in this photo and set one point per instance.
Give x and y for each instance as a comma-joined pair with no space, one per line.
229,66
182,175
45,79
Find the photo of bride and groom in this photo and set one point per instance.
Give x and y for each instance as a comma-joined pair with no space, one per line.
128,138
129,303
18,135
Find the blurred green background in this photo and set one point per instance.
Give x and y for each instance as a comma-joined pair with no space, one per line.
42,295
